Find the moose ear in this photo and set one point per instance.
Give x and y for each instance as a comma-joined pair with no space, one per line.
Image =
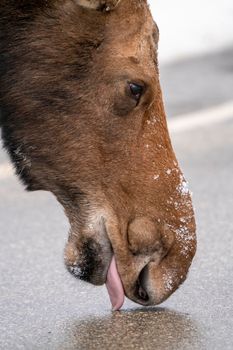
102,5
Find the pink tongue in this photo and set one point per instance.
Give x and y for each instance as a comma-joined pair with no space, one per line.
114,286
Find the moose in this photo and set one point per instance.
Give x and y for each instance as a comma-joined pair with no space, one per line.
82,116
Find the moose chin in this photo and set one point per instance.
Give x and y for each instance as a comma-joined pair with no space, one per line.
82,116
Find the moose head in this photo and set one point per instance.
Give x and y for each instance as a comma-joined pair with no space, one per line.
82,116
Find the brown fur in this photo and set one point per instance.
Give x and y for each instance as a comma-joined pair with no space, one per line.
71,127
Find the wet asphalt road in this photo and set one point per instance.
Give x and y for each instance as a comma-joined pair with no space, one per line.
42,307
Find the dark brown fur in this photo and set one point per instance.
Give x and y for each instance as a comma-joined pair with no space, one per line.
71,127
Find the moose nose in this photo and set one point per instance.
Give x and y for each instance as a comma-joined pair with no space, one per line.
144,236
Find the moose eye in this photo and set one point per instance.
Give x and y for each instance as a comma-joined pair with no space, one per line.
136,91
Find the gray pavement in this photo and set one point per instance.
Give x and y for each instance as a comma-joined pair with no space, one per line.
188,28
198,83
42,307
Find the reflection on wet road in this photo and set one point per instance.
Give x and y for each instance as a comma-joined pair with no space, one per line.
136,329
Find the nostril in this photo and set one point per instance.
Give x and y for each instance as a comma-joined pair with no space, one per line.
143,294
140,286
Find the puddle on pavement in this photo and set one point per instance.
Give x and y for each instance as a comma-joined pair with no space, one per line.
135,329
